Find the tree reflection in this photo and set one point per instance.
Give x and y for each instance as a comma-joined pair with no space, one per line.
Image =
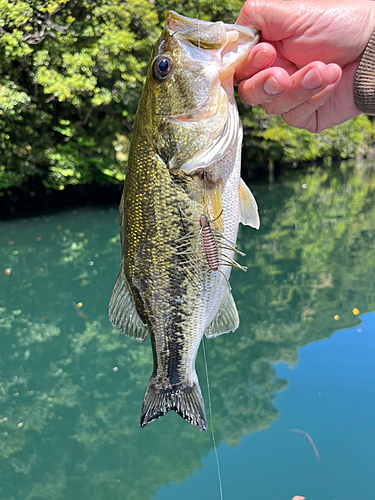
71,387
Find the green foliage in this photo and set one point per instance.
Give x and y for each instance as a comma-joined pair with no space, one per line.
218,10
71,74
70,80
269,138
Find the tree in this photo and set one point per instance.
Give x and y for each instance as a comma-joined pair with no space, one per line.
70,79
71,74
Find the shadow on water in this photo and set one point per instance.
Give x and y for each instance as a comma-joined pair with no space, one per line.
71,387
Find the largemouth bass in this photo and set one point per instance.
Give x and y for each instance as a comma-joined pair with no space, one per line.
182,202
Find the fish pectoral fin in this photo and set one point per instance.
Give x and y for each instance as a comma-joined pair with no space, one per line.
214,206
248,207
122,312
226,320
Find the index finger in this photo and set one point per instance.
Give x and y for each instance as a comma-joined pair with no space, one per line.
261,57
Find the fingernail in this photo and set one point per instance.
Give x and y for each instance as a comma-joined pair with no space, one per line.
262,58
272,86
312,79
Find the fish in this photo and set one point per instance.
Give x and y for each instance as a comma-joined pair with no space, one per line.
184,163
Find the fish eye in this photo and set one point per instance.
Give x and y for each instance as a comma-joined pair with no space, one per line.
162,67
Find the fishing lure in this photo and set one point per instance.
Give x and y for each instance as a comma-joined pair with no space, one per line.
213,244
209,244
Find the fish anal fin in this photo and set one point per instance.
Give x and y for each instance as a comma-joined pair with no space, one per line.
226,320
248,207
186,401
122,311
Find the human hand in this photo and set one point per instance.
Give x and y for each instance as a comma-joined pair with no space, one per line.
304,68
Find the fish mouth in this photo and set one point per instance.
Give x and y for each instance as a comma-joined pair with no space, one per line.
232,40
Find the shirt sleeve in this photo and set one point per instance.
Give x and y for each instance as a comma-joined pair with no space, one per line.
364,83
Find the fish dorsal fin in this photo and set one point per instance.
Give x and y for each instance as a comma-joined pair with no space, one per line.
226,320
122,311
248,207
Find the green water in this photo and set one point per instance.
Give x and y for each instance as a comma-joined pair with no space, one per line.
71,387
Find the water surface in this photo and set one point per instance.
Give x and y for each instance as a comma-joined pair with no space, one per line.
71,386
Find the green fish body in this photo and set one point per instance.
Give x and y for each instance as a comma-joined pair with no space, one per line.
184,163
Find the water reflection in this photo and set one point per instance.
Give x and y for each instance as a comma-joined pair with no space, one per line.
71,387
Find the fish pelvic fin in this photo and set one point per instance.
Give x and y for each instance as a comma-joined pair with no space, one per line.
187,401
226,319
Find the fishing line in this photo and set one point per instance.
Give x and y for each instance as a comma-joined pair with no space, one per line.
199,40
212,422
204,349
204,170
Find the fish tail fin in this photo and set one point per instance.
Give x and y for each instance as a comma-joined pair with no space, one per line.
186,401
